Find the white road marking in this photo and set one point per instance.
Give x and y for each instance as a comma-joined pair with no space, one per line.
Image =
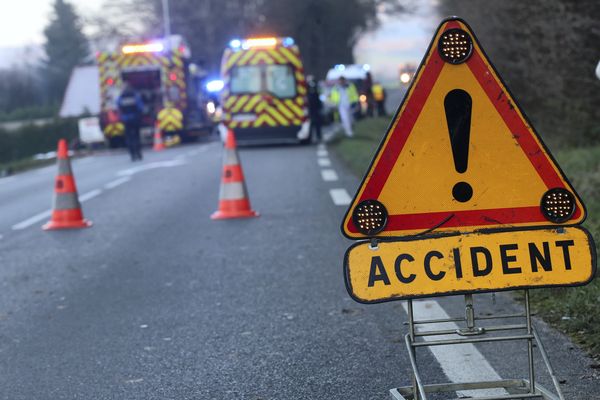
152,165
321,146
89,195
32,220
460,363
117,182
329,175
324,162
340,197
322,153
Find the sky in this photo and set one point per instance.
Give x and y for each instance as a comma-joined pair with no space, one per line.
399,40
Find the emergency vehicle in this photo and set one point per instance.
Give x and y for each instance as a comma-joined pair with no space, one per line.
264,94
161,72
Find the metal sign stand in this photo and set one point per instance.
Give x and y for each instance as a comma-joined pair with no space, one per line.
516,388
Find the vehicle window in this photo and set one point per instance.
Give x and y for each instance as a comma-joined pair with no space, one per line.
280,80
245,79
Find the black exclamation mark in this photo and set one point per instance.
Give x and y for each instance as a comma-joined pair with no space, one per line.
457,105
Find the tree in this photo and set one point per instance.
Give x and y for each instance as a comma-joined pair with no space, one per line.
65,46
546,51
326,30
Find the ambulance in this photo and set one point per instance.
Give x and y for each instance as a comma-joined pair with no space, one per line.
161,72
264,94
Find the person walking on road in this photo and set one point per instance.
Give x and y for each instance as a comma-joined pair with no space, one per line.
343,95
131,108
315,105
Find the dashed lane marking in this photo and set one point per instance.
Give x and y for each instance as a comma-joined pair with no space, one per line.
329,175
32,220
152,165
90,195
340,197
322,153
473,365
117,182
324,162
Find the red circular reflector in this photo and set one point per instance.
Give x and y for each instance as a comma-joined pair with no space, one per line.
173,76
110,81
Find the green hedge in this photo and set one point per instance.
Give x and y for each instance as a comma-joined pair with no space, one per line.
30,139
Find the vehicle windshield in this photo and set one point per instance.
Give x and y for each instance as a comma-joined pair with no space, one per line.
277,80
280,81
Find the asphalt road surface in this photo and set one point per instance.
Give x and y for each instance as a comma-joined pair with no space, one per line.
158,301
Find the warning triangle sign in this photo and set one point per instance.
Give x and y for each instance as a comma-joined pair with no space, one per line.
459,155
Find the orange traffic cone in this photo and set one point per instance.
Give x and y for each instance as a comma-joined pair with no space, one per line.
233,197
66,210
158,141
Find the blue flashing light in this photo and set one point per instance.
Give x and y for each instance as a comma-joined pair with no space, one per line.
367,67
287,42
235,44
215,85
340,67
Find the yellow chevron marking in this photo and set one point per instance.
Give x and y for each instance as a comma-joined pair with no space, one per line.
275,114
232,124
260,107
283,109
250,105
245,124
247,56
299,76
301,90
242,100
229,102
278,57
233,59
291,57
264,118
262,56
294,107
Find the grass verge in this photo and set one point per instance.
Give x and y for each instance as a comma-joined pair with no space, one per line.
572,310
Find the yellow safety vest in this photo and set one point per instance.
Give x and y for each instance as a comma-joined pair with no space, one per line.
334,96
378,93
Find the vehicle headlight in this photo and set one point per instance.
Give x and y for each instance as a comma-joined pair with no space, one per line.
210,107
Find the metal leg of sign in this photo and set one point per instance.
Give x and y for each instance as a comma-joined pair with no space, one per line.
470,333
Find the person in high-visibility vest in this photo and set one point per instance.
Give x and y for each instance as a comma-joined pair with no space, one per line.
379,97
343,95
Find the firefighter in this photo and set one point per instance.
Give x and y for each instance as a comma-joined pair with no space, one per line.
131,108
379,97
343,95
315,106
369,94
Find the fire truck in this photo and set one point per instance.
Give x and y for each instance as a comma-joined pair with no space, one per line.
169,84
264,94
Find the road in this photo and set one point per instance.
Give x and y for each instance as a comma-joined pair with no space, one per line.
158,301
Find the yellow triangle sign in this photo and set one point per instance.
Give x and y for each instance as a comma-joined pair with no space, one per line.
459,155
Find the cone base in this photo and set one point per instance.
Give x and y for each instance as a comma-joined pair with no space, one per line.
53,225
160,147
234,214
